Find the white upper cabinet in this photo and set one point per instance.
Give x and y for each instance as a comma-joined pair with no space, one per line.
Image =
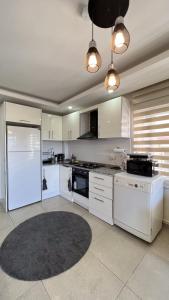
22,114
114,118
51,127
71,126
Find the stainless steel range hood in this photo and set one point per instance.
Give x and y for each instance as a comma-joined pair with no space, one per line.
89,125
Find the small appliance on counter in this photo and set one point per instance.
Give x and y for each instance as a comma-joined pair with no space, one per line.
60,157
141,164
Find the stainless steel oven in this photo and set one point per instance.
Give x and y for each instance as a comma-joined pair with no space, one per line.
80,181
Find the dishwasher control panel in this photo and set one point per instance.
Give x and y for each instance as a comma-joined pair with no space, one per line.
133,184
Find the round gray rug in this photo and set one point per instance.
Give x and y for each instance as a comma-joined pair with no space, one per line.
45,245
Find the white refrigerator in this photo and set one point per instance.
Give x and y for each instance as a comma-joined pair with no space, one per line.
23,166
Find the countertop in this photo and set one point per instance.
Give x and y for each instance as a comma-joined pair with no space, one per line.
106,171
103,169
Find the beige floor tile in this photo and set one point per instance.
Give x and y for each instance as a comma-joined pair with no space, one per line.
10,288
5,220
55,203
98,226
21,214
161,244
61,204
37,292
88,280
127,294
150,280
75,208
119,251
4,232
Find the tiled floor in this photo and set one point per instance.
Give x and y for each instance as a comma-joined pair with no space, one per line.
116,266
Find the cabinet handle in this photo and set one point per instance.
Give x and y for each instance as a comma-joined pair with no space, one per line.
26,121
49,134
52,134
99,200
99,178
99,189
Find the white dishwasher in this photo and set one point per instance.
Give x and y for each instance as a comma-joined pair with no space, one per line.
138,204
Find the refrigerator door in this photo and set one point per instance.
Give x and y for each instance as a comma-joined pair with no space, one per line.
24,178
23,139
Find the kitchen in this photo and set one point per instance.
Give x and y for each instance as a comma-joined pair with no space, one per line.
84,201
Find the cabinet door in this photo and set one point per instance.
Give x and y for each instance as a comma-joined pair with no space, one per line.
109,118
22,114
66,128
56,128
46,125
65,176
74,125
51,174
71,126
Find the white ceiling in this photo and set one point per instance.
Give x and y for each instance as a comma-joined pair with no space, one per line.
43,45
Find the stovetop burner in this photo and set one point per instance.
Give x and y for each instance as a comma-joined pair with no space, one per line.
87,165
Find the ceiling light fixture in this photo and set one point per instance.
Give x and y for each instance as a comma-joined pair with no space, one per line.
93,58
108,14
112,80
70,107
120,37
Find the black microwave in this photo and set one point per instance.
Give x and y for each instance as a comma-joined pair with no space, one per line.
142,167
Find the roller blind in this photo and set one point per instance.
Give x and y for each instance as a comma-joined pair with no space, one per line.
151,132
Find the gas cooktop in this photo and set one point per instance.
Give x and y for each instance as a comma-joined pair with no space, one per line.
86,165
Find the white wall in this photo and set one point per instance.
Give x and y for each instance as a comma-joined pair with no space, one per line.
95,150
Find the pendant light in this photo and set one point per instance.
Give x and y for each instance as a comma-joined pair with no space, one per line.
120,37
112,80
93,58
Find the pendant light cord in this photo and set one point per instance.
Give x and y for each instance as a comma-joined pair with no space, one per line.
112,51
92,31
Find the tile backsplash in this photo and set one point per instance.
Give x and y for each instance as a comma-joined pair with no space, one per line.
56,147
97,150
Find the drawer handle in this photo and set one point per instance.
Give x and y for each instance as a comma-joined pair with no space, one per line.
99,200
99,178
25,121
99,189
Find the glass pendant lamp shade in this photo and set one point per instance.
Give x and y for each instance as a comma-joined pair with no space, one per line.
93,58
120,37
112,80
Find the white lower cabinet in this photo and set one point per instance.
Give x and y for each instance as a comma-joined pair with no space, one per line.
66,182
50,181
101,196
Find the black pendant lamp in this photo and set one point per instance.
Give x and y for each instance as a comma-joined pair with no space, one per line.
93,58
112,80
120,37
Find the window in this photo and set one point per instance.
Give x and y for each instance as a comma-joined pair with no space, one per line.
151,132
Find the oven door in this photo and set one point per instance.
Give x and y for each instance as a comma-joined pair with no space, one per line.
80,182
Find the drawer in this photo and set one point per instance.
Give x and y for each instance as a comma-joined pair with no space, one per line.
101,190
101,179
101,207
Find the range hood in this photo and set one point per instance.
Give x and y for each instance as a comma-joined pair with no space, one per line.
89,125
